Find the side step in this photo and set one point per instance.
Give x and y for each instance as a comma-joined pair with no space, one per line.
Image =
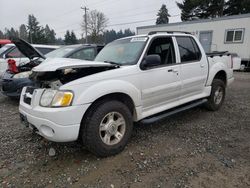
170,112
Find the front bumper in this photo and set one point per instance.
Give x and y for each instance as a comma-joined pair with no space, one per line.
55,124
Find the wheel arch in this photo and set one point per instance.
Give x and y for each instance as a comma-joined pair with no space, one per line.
221,75
217,72
118,96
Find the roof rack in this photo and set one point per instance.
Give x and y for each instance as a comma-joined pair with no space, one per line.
155,32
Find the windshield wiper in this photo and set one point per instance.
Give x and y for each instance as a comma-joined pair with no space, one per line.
112,63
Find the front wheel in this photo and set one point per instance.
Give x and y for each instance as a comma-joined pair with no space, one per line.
107,128
217,96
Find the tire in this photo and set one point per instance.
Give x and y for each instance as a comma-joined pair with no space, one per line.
14,98
217,96
242,67
107,127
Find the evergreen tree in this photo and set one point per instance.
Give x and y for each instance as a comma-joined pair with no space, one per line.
2,36
215,8
110,35
191,9
23,34
128,32
36,32
199,9
73,38
59,41
49,34
70,38
11,33
234,7
67,38
163,15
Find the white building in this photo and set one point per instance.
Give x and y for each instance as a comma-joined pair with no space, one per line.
229,33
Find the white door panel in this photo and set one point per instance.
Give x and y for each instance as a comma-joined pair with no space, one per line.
160,87
193,80
194,67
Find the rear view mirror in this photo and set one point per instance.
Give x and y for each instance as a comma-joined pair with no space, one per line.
151,61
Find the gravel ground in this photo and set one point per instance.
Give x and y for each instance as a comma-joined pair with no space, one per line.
196,148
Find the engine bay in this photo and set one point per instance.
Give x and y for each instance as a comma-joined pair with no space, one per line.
58,78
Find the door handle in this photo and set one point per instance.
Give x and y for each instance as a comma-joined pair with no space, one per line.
173,71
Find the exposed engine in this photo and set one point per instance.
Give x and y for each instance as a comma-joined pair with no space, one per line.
60,77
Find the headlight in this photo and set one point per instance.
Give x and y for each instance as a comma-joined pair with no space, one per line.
23,74
62,98
47,97
54,98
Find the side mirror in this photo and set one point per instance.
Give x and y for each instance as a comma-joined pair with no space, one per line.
4,56
151,61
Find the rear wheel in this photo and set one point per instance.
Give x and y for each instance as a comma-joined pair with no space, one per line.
107,128
217,96
242,67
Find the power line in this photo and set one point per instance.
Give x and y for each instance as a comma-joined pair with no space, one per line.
126,23
130,22
62,14
103,2
131,15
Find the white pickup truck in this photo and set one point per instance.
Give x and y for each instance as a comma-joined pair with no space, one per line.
140,78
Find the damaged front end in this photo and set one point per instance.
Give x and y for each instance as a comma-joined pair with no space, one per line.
63,75
48,81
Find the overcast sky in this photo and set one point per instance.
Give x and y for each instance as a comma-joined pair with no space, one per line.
62,15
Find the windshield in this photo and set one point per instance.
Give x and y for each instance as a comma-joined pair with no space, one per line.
61,52
123,52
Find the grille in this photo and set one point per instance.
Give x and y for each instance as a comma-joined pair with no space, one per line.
28,95
30,90
27,100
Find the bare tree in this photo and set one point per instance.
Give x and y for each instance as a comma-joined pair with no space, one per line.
96,24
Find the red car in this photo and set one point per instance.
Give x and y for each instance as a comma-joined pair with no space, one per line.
4,41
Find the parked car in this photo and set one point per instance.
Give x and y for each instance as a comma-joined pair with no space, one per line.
10,51
140,78
17,76
4,42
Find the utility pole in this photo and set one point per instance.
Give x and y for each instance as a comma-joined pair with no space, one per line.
85,20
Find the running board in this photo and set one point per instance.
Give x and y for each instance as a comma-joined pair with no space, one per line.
176,110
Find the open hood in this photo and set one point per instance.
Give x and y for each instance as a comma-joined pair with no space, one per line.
54,64
26,49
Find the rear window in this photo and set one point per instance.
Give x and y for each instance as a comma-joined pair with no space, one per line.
14,53
45,50
4,49
189,51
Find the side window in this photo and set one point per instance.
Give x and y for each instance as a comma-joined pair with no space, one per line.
15,53
164,48
84,54
44,50
189,51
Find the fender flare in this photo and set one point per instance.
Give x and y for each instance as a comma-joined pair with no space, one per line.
214,70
